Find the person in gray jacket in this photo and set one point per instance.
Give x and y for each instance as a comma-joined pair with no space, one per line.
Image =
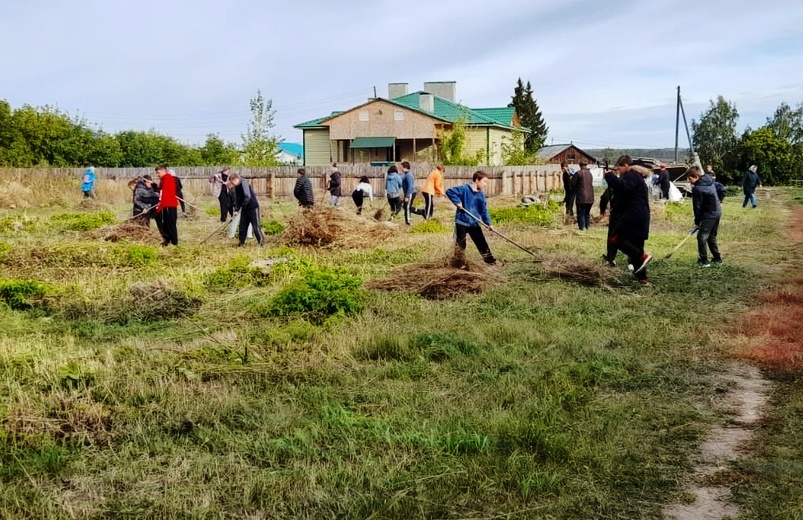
707,212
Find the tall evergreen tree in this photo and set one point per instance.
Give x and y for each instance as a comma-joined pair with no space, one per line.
529,116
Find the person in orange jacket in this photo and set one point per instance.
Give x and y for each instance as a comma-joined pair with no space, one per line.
433,187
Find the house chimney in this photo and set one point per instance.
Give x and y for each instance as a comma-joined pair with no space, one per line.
397,90
443,89
426,102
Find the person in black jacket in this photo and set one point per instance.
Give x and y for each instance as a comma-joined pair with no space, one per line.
335,188
247,205
663,182
303,190
631,226
707,212
750,182
145,200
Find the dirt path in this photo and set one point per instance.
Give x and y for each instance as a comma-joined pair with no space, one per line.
775,331
745,394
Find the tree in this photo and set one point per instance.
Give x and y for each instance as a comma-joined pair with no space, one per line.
514,152
714,137
772,154
787,124
529,117
260,146
453,146
217,152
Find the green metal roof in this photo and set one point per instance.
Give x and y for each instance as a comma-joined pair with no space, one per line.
444,110
316,123
372,142
503,114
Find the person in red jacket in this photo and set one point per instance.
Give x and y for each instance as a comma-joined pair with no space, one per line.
166,210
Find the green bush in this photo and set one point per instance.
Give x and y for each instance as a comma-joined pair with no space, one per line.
24,294
17,223
82,221
141,255
429,226
273,227
538,214
237,274
5,249
319,294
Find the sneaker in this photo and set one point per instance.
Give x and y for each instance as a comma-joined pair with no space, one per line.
611,263
644,283
644,261
717,261
630,267
703,263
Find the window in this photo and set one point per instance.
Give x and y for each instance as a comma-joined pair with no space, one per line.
363,115
398,115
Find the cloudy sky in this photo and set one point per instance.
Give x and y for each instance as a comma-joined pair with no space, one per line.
604,72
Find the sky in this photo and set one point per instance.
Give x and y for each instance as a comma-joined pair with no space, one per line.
604,72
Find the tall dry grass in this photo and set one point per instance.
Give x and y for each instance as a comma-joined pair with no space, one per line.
20,191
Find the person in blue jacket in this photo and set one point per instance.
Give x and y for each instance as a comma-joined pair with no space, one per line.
750,182
393,189
409,189
88,182
471,209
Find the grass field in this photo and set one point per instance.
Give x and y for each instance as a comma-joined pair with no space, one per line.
147,382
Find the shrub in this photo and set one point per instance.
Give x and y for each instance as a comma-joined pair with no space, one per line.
24,294
141,255
319,294
539,214
82,221
273,227
238,273
429,226
17,223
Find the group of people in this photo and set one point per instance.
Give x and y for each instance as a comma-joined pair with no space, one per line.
627,194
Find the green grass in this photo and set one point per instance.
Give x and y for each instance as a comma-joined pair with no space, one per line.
193,382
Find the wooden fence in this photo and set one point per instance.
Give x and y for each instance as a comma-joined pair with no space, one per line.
278,182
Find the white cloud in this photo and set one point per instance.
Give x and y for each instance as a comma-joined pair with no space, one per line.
602,72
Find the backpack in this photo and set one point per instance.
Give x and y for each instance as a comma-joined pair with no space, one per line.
721,191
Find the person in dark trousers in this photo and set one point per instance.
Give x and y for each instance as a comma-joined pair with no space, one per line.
707,213
88,183
750,182
663,182
409,189
583,186
568,199
167,208
179,192
631,227
432,187
393,189
145,201
247,206
361,191
335,187
471,206
608,198
302,191
221,192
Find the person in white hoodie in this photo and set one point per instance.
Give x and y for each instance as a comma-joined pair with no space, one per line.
363,189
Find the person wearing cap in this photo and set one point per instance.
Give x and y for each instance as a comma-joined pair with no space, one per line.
302,191
221,192
145,200
663,182
88,183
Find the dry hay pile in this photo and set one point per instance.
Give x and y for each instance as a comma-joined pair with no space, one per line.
339,227
89,203
575,269
130,230
445,278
